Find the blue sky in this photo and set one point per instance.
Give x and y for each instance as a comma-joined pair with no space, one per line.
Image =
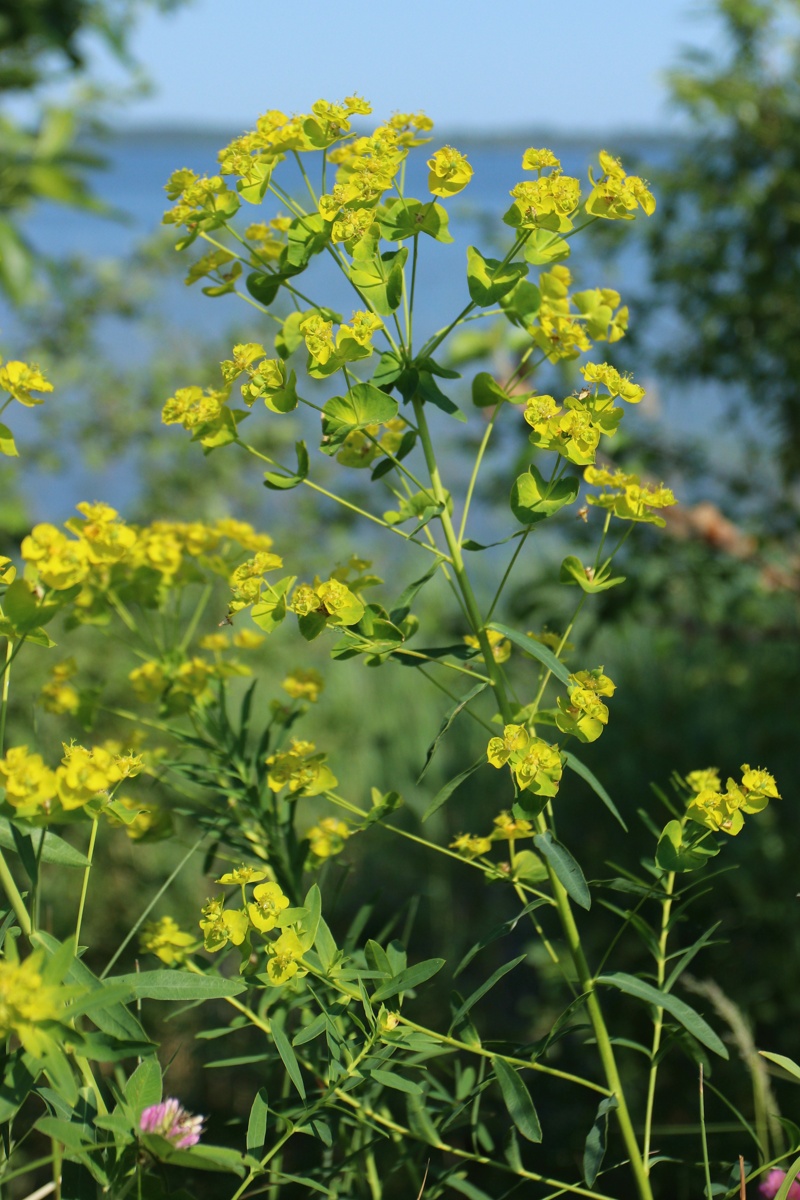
590,65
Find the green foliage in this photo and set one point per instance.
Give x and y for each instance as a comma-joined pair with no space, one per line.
357,1056
726,253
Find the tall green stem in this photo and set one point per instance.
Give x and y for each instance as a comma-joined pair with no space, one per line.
570,929
85,886
658,1023
6,878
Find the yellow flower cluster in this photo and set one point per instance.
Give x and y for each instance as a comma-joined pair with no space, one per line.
167,941
179,685
330,603
506,828
202,203
534,764
548,201
351,343
583,713
58,695
627,497
30,1002
367,167
574,428
326,839
21,380
264,912
301,768
501,647
266,378
718,810
361,447
448,172
100,552
615,195
35,792
304,684
249,580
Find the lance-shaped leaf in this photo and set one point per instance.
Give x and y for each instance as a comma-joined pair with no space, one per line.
595,1149
517,1100
444,793
565,868
485,987
410,978
447,721
488,279
682,1012
594,783
535,649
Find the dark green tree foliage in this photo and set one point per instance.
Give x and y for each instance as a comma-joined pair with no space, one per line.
42,41
726,249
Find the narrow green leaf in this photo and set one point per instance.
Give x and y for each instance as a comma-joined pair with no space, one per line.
444,793
257,1123
783,1191
177,985
535,649
447,721
388,1079
284,1048
485,987
689,954
595,1149
594,783
781,1060
497,932
686,1016
281,483
517,1100
565,867
410,978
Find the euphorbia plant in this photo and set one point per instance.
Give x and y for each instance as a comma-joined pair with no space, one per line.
349,1073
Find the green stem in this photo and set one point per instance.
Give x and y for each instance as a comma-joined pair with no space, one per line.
521,540
346,504
476,468
457,562
4,700
14,897
144,915
658,1023
194,621
469,1156
604,1046
85,886
704,1139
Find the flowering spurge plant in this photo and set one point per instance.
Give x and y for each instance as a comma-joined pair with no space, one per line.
356,1088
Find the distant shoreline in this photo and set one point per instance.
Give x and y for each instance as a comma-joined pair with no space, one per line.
220,136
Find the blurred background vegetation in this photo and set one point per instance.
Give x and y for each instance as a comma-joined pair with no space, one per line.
702,641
